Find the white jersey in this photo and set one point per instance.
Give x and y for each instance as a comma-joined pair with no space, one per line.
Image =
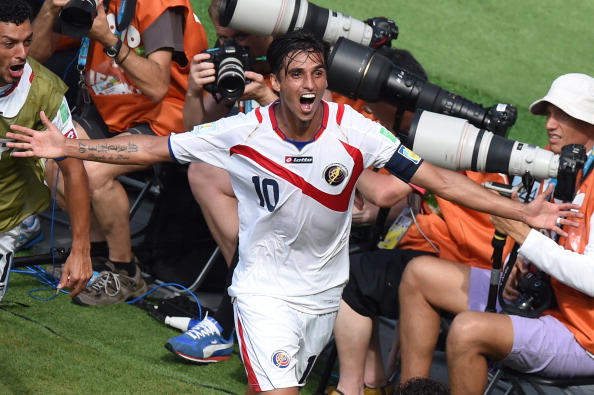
294,204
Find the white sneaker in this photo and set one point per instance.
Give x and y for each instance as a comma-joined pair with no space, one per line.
29,234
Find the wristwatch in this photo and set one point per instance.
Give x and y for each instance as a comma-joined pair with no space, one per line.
114,50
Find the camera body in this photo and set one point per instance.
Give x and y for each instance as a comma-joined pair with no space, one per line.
536,295
231,61
76,18
571,163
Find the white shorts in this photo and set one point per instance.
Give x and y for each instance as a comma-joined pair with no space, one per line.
8,242
278,344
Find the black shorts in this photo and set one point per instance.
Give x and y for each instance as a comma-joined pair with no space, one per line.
96,128
374,278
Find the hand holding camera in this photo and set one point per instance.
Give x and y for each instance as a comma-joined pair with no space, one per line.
231,61
202,72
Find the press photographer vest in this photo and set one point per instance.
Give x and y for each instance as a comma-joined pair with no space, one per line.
461,234
575,309
122,111
22,187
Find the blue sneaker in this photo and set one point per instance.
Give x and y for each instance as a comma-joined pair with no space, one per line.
29,233
202,343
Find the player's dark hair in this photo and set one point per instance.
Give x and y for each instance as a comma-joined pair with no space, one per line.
287,47
14,11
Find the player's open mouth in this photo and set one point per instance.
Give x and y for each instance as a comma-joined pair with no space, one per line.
306,101
16,71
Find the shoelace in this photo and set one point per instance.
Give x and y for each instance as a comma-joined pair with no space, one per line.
103,281
202,329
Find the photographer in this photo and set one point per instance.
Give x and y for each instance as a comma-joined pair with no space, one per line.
557,343
202,106
135,74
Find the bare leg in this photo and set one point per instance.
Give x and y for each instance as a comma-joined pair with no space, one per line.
428,286
375,375
473,336
352,333
111,206
212,190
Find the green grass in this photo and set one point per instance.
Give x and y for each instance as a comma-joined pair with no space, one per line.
56,346
488,51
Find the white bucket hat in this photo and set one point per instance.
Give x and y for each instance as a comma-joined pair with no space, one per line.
572,93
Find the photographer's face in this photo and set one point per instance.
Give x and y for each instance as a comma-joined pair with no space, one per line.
258,45
14,47
564,129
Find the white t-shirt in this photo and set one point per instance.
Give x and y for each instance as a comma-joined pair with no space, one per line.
15,98
294,204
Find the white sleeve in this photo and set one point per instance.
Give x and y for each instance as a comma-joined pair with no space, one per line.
569,267
63,120
210,142
376,143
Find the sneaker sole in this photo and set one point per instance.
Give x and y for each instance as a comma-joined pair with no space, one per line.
194,359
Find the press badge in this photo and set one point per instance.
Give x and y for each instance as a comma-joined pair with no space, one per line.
111,86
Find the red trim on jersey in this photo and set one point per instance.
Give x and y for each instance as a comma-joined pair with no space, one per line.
251,375
259,115
338,202
324,120
280,133
339,113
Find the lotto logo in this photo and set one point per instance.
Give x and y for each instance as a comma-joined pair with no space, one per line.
298,159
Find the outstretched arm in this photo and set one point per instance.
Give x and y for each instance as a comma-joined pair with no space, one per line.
455,187
78,269
133,149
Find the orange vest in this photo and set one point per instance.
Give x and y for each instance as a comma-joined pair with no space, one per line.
461,234
575,309
122,111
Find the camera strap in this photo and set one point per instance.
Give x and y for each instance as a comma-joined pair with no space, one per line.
127,9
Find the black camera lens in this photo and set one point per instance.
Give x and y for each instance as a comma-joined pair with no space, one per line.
231,79
76,18
360,72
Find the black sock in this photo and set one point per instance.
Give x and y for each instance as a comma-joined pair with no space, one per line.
127,267
224,314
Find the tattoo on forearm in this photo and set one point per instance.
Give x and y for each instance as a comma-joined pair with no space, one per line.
107,151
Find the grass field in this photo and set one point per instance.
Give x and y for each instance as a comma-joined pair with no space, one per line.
488,51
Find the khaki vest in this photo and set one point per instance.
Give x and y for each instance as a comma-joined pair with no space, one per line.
22,187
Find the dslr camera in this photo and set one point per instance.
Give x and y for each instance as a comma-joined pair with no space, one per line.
76,18
231,61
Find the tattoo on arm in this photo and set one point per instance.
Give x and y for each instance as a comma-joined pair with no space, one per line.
107,151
